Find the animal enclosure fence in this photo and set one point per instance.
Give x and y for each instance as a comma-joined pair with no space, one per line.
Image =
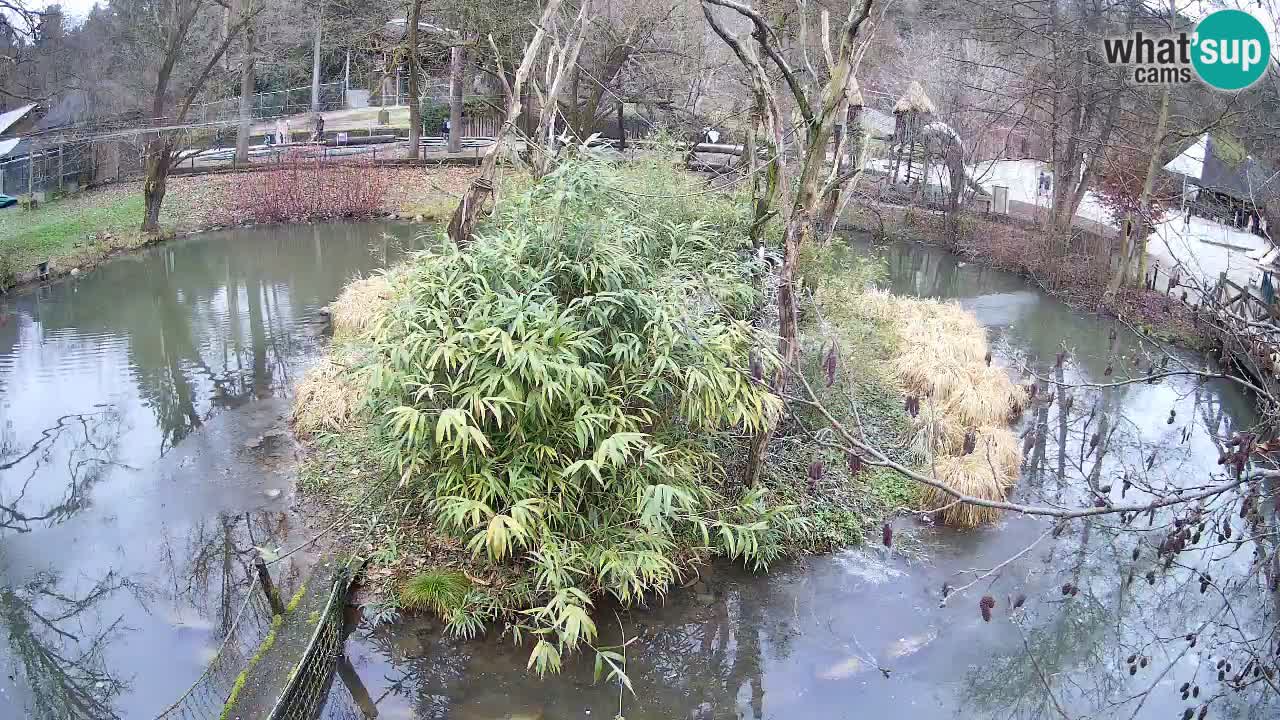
309,681
63,168
291,101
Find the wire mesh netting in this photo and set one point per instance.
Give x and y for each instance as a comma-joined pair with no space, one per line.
64,167
205,698
276,103
309,681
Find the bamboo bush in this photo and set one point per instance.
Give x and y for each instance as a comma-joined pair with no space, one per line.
552,391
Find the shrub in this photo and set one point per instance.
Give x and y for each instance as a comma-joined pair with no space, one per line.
554,389
305,186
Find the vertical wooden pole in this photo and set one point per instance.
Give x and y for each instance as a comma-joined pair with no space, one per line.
268,586
622,129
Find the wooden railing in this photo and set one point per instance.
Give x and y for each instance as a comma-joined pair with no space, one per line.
1242,303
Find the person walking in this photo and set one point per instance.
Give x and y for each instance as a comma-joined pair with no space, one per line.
319,132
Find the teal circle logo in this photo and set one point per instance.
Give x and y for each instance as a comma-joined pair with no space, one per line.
1231,50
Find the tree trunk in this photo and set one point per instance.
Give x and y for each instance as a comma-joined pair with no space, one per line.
315,61
1134,244
799,227
1153,167
826,222
246,94
159,159
575,107
415,112
457,67
1121,271
766,188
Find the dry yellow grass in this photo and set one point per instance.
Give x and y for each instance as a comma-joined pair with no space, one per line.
326,399
362,301
942,360
988,472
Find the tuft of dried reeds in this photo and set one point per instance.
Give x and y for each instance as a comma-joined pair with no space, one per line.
988,472
361,302
327,398
942,358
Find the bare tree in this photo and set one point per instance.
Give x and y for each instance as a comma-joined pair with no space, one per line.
247,80
33,59
315,57
180,44
1056,82
560,65
415,104
818,103
483,189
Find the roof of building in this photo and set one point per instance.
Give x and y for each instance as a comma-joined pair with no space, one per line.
8,119
914,100
1220,166
8,144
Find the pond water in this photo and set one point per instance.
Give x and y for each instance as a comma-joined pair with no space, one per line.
860,633
142,441
143,455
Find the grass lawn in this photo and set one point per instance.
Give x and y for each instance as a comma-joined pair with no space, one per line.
69,232
82,230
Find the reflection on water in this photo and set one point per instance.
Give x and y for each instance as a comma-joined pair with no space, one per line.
861,633
133,488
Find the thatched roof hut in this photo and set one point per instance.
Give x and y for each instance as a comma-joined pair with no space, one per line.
914,100
855,94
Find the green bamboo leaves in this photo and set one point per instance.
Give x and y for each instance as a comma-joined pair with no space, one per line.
555,390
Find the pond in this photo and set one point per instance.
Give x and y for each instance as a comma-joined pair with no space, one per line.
144,455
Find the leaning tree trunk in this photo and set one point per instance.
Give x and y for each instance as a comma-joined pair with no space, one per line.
415,112
457,68
1153,167
246,95
159,159
482,191
1134,245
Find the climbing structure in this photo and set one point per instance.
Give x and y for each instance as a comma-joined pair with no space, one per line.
911,113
